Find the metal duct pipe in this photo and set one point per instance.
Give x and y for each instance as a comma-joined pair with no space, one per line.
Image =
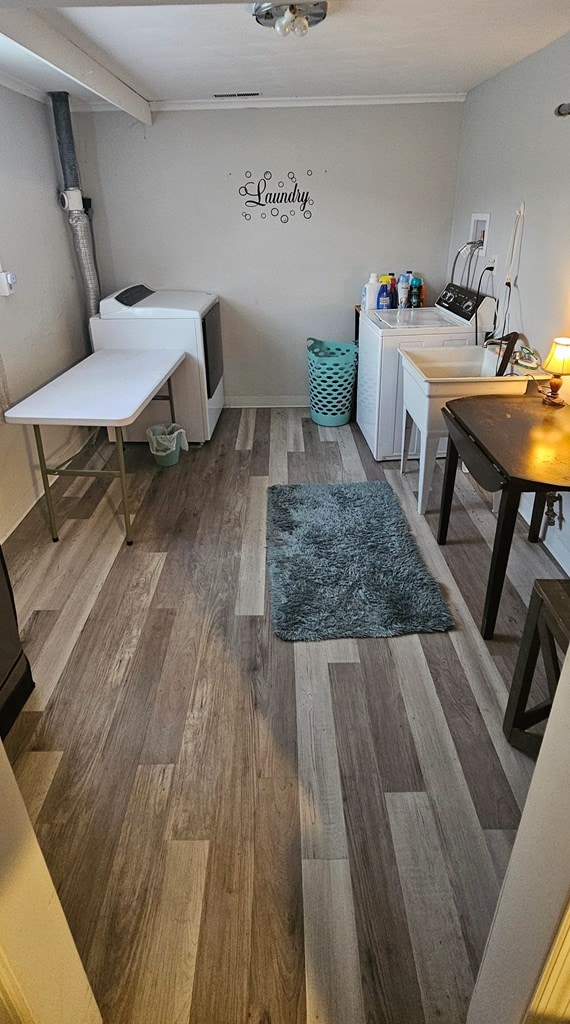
562,110
64,135
71,200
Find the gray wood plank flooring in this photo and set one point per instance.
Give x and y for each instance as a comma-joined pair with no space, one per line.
242,830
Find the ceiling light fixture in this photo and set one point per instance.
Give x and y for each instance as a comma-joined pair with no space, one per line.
284,24
287,18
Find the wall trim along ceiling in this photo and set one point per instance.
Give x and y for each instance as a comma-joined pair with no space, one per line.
98,106
302,101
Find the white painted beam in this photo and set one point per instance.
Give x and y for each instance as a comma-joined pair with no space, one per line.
38,37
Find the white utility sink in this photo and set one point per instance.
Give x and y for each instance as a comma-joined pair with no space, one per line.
434,376
460,372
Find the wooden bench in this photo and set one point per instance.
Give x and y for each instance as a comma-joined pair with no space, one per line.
547,626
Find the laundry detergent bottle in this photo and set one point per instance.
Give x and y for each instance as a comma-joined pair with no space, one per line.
416,292
370,293
384,301
403,291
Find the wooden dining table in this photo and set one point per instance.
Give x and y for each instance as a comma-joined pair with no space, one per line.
513,445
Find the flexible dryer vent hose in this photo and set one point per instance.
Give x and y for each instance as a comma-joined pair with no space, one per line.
83,242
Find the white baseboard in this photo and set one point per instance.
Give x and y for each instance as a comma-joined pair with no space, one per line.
27,500
267,401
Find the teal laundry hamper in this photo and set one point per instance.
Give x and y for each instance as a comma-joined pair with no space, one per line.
332,374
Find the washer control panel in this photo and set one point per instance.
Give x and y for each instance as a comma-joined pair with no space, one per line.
461,302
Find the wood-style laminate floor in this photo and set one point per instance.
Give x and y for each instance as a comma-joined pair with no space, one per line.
242,830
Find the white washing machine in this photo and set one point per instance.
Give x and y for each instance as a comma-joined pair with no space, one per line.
138,317
383,333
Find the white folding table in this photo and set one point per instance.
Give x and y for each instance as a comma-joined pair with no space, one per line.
108,389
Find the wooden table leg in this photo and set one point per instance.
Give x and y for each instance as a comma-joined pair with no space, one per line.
508,509
45,480
536,518
447,493
513,722
549,655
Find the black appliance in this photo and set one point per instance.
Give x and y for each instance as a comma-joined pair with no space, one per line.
16,683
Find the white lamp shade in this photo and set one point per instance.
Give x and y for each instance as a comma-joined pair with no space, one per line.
558,359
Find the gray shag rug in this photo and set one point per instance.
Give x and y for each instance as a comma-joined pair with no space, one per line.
342,563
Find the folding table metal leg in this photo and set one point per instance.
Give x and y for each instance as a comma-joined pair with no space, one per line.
123,476
45,479
171,401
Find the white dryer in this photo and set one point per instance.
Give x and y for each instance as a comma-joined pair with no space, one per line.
451,322
138,317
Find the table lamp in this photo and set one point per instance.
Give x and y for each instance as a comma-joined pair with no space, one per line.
557,363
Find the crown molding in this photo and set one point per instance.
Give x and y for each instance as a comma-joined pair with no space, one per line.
98,106
159,106
307,101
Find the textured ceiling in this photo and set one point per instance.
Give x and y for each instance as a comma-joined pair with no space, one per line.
365,48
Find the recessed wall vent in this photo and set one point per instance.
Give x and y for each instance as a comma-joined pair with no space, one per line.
236,95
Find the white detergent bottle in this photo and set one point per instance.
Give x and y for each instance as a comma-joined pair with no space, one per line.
370,293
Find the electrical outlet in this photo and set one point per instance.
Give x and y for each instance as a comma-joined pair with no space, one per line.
7,282
492,262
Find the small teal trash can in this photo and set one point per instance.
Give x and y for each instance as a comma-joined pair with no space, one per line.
165,441
332,374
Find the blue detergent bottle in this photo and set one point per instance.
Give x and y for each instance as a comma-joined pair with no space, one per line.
384,299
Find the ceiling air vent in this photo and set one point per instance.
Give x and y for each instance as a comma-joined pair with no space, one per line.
236,95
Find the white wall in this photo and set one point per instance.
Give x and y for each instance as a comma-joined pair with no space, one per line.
41,976
168,212
536,888
514,149
41,330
